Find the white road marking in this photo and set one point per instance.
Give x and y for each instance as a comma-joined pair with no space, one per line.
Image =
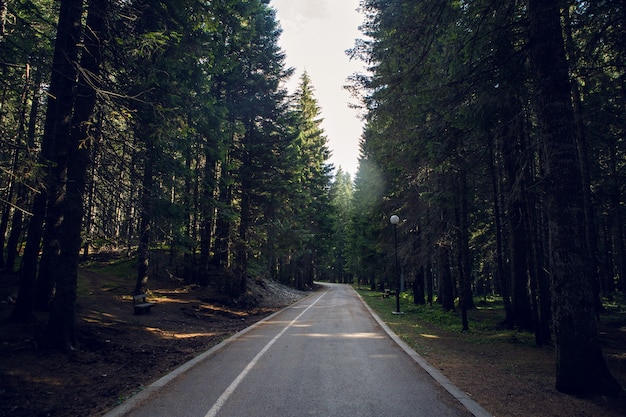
231,388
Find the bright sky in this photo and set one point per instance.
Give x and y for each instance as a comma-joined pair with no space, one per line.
316,34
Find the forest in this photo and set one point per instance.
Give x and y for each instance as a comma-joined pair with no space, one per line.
493,130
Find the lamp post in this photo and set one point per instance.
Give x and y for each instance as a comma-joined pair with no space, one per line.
395,220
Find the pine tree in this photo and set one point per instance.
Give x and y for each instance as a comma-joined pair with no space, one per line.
580,366
312,222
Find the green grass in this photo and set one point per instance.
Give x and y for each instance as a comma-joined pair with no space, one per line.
122,268
114,275
423,321
614,313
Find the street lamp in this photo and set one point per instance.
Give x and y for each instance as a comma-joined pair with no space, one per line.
395,220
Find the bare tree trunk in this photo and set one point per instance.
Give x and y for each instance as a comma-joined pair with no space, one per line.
222,243
91,187
512,154
446,281
419,279
55,143
583,157
207,216
242,242
466,300
22,194
143,249
23,310
14,186
428,275
580,366
501,277
61,330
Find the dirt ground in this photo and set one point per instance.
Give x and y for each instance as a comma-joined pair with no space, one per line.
120,353
512,377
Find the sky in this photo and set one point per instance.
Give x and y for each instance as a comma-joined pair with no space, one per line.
316,34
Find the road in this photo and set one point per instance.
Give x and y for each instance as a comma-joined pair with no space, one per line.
323,356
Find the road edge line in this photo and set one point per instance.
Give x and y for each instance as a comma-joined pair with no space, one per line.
471,405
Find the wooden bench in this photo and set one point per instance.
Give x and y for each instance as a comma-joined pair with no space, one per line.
141,304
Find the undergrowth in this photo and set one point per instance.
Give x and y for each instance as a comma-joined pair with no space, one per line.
425,321
418,322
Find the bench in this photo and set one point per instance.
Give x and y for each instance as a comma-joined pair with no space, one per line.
141,304
387,293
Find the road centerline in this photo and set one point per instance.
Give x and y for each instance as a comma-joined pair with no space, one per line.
219,403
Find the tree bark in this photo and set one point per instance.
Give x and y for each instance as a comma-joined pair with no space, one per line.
9,206
54,147
518,245
466,300
583,158
208,217
501,278
580,366
143,248
222,239
23,310
61,330
23,195
15,189
445,278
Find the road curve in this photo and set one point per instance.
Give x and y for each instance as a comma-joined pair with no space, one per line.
326,356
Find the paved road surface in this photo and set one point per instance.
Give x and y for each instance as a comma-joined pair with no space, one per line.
324,356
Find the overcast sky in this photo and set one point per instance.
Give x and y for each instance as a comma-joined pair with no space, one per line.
316,34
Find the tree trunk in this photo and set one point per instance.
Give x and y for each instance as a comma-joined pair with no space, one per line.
9,206
466,300
419,279
539,282
501,278
222,241
143,249
15,189
207,215
418,287
580,366
55,143
61,330
518,246
16,231
242,242
23,310
615,213
446,281
428,275
591,236
23,196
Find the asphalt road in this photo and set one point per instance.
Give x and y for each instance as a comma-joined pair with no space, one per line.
323,356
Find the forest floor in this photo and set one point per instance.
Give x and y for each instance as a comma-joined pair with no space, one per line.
121,353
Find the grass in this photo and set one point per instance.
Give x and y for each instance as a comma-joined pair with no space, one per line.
421,322
112,275
122,268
